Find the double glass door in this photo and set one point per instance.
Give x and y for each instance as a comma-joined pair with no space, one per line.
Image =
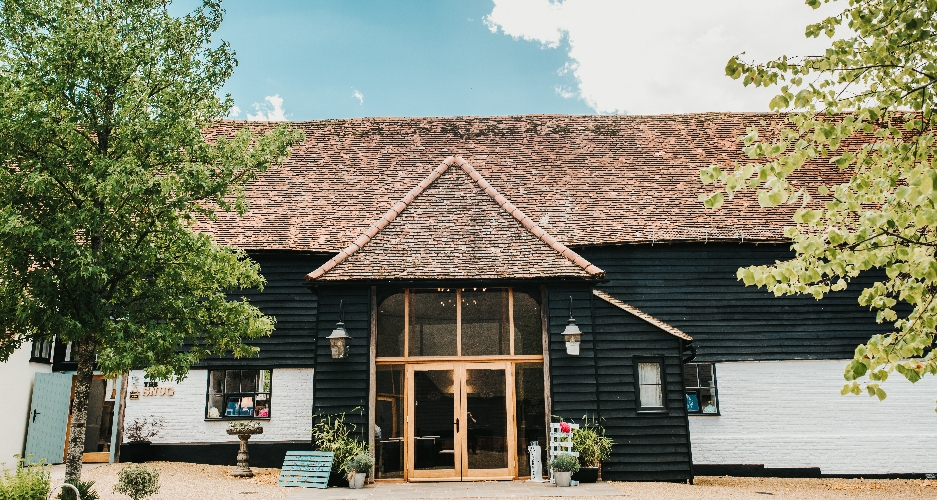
459,421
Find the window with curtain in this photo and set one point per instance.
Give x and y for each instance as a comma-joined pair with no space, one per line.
650,386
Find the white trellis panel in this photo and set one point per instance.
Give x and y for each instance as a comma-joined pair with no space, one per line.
560,442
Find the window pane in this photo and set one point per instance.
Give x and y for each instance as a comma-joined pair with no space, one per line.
248,380
216,406
485,326
432,323
650,386
690,375
232,381
708,401
390,323
530,413
265,380
389,422
528,327
705,374
262,405
216,383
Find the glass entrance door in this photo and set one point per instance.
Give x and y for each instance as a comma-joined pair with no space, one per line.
435,450
459,421
488,412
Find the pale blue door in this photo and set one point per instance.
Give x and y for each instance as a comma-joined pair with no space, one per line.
48,417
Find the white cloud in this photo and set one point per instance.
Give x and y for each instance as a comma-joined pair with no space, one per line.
359,96
662,57
271,111
234,112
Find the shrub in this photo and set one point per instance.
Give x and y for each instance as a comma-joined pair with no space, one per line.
362,462
565,462
26,482
85,491
142,429
137,481
333,434
592,444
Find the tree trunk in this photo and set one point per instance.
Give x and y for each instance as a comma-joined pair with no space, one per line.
82,389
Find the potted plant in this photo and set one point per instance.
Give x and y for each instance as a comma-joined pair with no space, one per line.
564,465
357,467
333,433
137,435
593,446
244,430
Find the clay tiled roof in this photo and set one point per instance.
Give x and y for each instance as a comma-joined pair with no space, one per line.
454,224
588,180
676,332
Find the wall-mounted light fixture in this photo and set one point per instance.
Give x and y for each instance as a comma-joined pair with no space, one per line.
339,338
572,334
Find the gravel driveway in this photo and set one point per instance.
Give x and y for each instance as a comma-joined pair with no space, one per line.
182,481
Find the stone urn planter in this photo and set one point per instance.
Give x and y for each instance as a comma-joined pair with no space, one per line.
244,433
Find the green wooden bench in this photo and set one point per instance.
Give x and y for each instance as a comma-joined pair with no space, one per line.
306,469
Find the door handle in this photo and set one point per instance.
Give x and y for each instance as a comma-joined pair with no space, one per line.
457,425
36,413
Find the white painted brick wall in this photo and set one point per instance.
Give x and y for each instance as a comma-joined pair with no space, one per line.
790,414
184,412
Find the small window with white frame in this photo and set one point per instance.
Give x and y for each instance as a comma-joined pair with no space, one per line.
239,394
650,385
701,394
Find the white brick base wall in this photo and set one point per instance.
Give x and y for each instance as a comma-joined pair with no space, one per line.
184,411
790,414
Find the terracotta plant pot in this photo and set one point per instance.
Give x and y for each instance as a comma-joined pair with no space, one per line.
357,480
587,475
562,478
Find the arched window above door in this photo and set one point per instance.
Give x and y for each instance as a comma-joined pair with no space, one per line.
445,322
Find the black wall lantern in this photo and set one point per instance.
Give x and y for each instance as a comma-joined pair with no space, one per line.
572,334
339,338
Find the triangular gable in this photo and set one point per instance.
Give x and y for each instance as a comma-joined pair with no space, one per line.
642,315
454,225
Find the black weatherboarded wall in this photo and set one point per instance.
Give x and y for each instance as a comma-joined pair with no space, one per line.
341,385
600,383
294,306
694,288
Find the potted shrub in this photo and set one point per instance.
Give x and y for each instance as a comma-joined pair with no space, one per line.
564,465
356,469
333,433
137,435
244,430
593,446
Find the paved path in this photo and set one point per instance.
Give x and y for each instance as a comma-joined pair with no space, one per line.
488,489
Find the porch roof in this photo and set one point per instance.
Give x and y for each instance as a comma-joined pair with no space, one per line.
454,225
676,332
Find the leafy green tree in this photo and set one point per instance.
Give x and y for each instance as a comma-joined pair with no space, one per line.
105,169
866,105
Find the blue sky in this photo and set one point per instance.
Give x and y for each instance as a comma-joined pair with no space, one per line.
427,58
314,59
